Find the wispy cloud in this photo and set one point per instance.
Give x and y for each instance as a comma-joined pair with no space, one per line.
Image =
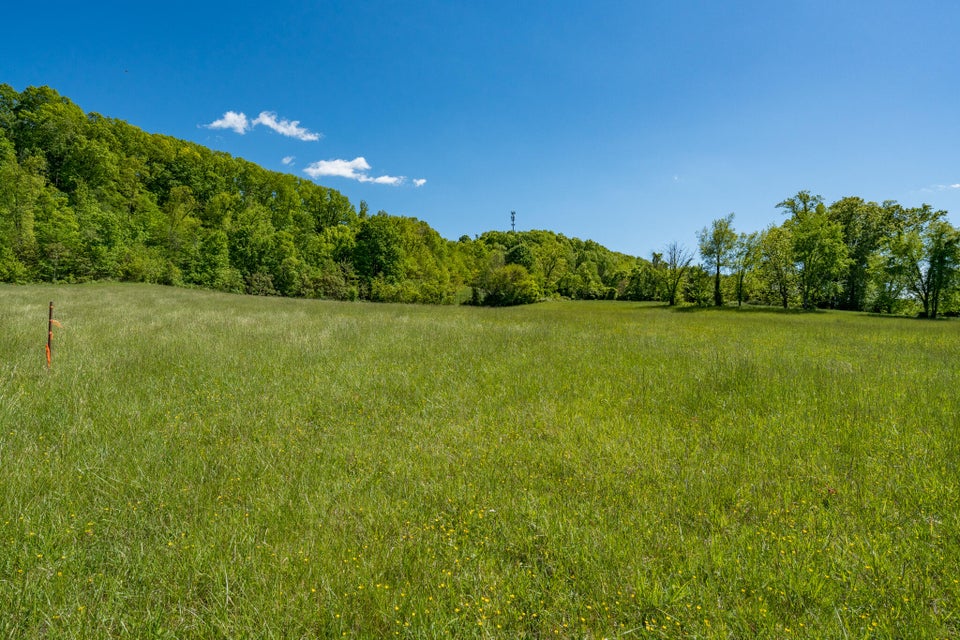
352,169
940,187
391,180
289,128
231,120
356,169
239,123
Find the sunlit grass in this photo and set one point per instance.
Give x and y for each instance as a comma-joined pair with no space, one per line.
204,465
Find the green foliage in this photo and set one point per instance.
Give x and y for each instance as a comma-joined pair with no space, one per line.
923,259
86,197
643,283
522,255
820,256
676,264
865,225
858,255
777,268
698,287
745,258
509,284
558,266
717,246
58,236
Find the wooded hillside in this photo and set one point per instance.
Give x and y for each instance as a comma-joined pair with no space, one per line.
87,197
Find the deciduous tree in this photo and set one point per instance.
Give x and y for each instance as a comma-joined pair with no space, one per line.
746,256
864,225
927,255
820,256
677,260
777,269
717,244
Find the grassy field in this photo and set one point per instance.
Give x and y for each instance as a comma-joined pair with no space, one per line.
198,465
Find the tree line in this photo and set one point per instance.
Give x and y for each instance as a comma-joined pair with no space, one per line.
851,254
86,197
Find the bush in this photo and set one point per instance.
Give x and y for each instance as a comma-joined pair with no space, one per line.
510,285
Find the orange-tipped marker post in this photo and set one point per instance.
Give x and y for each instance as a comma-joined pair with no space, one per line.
50,336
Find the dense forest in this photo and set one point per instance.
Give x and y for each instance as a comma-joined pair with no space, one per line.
86,197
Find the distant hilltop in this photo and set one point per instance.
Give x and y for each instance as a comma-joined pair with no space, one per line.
87,197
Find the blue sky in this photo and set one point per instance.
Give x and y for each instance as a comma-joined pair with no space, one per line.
634,124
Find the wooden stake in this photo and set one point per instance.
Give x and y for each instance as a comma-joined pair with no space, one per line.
50,335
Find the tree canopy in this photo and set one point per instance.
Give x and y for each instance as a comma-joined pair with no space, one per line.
86,197
851,254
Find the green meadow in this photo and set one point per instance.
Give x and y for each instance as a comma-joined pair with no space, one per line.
202,465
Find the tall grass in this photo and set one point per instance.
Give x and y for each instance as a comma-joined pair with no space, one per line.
198,465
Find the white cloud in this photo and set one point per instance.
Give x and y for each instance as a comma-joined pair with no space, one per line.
231,120
939,187
391,180
239,123
352,169
356,169
289,128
